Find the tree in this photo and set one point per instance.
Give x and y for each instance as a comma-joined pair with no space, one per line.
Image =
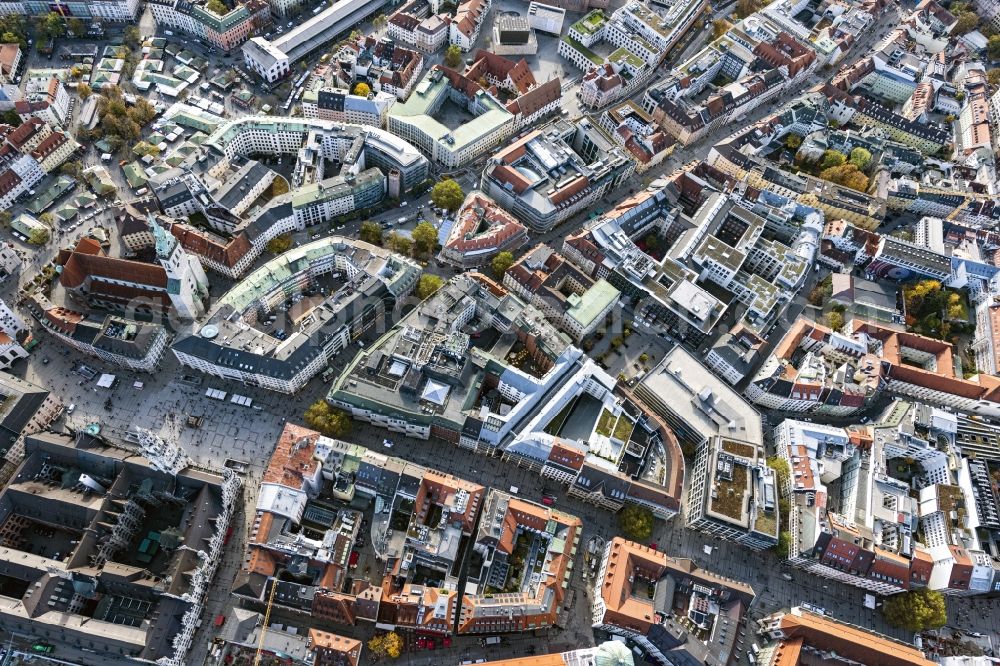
993,76
425,237
643,358
399,243
47,219
846,174
427,285
144,148
793,141
832,158
745,8
52,25
362,89
955,309
636,522
279,244
447,194
131,38
279,186
379,22
993,47
720,26
217,7
781,469
10,117
966,23
6,217
39,236
327,420
784,546
835,320
77,27
501,262
72,168
370,232
860,158
918,610
386,645
453,56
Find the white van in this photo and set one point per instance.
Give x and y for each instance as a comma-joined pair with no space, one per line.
71,408
492,640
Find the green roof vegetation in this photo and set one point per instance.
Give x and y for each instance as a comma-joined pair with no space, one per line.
729,499
623,429
587,53
590,23
738,448
606,423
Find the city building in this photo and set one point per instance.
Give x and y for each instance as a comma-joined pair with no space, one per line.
26,409
225,32
117,11
10,261
640,36
176,283
480,231
546,18
272,60
422,516
45,98
841,373
418,24
315,140
117,525
513,35
328,293
455,121
10,61
428,375
671,609
570,298
797,633
383,65
753,63
503,596
551,174
14,336
733,494
464,27
133,345
636,131
333,650
664,245
338,105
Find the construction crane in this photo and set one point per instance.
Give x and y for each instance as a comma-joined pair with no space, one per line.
267,618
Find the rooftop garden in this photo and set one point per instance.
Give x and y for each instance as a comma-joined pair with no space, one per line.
738,448
587,53
590,23
766,523
729,494
623,429
606,424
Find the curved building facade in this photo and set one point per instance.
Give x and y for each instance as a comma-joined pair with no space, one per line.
337,142
243,339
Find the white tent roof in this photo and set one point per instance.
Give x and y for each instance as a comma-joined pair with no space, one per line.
435,392
106,381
